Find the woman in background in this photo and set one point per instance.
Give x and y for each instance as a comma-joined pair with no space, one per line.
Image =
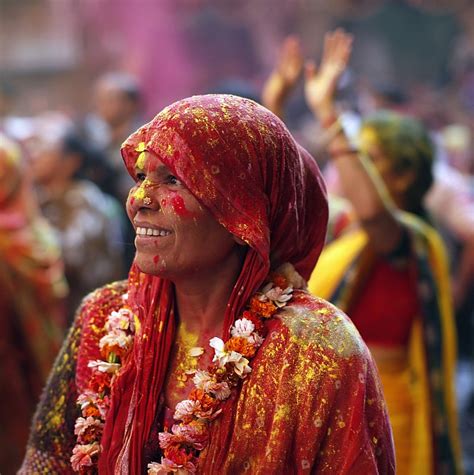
32,291
87,222
389,272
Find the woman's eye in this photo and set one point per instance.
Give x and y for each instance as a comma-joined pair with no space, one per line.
172,180
141,177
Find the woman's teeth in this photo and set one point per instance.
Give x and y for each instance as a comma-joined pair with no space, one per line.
152,232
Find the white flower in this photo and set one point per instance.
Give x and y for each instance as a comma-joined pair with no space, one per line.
121,320
278,296
223,357
266,288
168,466
155,468
256,340
116,338
201,379
220,390
87,398
185,409
242,328
241,366
291,275
196,351
103,366
218,345
82,455
82,425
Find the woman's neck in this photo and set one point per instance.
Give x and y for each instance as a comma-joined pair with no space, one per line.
202,299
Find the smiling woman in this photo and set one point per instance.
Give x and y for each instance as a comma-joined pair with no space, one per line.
212,357
175,234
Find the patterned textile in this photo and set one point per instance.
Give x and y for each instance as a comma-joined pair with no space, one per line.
312,403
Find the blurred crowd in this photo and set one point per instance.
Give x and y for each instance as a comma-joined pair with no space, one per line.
64,229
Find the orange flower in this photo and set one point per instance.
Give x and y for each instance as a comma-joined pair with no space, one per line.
207,401
91,410
178,455
279,280
263,309
93,434
116,350
240,345
196,394
99,382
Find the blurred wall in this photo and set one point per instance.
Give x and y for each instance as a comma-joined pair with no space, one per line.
52,50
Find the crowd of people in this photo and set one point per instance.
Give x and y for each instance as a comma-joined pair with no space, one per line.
211,223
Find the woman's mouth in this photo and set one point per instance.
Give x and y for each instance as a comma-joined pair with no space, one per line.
154,232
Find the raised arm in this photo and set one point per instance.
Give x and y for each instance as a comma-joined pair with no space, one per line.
284,77
360,181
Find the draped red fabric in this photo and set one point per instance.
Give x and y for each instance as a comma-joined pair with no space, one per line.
240,162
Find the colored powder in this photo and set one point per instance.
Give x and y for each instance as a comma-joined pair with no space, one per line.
177,202
140,164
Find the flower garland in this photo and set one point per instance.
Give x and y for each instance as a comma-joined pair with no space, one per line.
189,436
95,400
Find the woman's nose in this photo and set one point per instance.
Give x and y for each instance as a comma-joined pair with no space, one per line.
142,198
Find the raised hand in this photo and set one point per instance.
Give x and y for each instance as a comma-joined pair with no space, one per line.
320,84
285,75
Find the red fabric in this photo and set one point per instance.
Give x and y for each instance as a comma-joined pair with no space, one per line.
313,403
391,295
239,161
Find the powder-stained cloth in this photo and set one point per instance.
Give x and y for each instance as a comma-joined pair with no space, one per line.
312,403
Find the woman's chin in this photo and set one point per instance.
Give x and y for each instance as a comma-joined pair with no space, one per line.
149,265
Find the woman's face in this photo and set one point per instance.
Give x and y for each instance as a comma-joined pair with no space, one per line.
176,237
396,183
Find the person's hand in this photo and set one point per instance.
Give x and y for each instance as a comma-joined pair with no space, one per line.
284,77
320,84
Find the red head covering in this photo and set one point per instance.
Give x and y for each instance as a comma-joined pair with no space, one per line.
241,163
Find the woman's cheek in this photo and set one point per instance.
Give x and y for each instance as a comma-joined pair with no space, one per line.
130,204
175,203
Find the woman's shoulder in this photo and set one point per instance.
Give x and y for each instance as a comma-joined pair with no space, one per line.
310,321
108,296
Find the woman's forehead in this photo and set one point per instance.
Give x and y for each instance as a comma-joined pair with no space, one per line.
150,162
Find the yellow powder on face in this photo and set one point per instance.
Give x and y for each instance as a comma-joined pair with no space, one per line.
140,163
140,193
367,139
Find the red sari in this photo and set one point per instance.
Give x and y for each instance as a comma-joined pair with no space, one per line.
312,403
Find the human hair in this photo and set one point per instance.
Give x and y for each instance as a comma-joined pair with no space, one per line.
407,144
125,83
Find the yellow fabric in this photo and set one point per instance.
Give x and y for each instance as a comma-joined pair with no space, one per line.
439,265
399,398
332,265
